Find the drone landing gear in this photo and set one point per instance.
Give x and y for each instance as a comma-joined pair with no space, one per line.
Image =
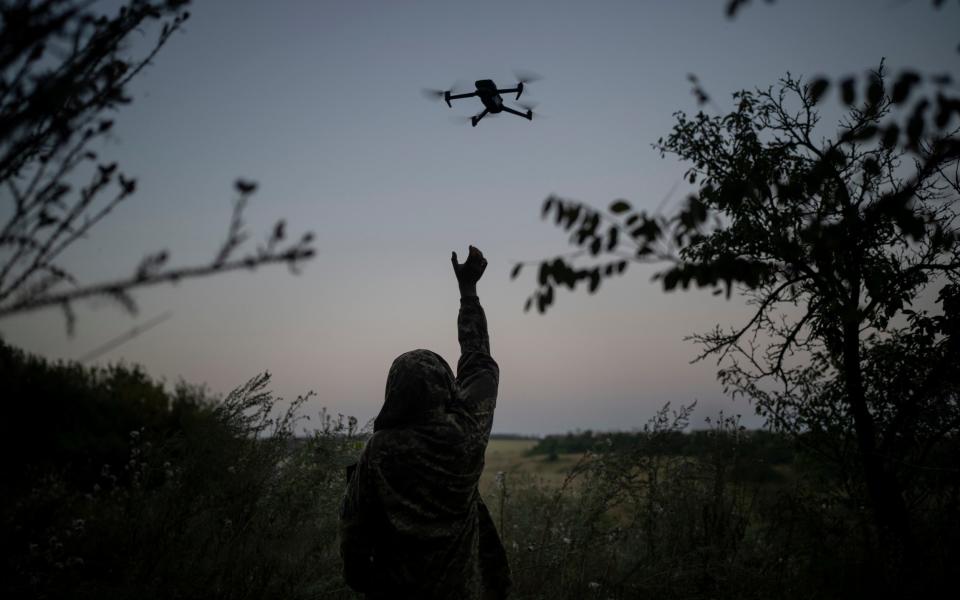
476,118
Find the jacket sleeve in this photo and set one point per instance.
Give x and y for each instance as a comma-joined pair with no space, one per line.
356,535
477,373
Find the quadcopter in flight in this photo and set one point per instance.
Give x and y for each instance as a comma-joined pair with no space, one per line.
490,97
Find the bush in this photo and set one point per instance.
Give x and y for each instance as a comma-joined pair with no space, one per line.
227,504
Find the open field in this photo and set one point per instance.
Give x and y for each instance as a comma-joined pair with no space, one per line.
510,456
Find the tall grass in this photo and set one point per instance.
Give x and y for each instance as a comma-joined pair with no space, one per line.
636,522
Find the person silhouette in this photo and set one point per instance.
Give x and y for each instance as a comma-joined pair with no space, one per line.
412,522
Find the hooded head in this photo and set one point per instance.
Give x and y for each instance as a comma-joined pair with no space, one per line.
419,387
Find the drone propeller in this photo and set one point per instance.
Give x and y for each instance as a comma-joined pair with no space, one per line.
525,77
529,107
434,94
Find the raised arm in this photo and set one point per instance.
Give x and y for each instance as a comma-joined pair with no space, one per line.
477,373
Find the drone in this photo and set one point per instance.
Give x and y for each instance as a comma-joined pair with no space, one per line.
489,95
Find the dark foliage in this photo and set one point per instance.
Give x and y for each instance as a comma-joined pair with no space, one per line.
115,487
73,420
834,241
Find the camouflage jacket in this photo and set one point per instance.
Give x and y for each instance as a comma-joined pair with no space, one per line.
412,523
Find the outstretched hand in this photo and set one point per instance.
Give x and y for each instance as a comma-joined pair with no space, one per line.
470,271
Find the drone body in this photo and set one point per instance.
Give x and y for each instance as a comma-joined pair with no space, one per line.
490,96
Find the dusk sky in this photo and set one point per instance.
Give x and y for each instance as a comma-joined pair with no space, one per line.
320,102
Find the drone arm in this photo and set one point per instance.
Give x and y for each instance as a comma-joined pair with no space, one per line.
447,97
518,90
527,115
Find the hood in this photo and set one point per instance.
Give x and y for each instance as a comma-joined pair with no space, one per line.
419,387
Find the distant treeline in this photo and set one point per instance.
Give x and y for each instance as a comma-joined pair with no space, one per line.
773,448
513,436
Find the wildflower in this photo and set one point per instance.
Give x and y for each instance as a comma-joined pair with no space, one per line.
134,434
566,540
501,479
593,585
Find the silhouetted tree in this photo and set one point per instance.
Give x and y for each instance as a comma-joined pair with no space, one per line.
832,241
64,67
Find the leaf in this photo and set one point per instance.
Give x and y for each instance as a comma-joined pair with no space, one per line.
916,123
279,231
901,89
848,91
671,279
547,205
543,273
571,215
817,88
612,238
594,284
875,90
516,270
619,206
945,106
245,187
890,136
595,246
